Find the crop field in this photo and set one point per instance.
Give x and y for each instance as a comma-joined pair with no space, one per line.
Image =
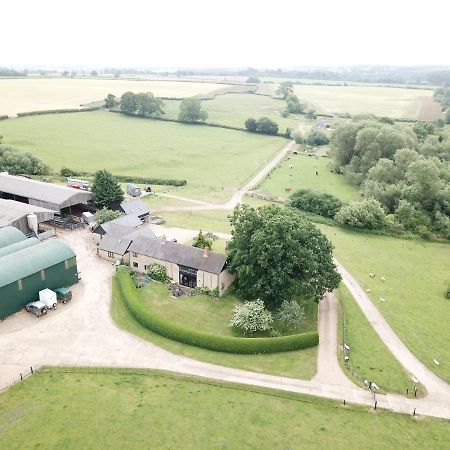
381,101
235,109
214,161
416,276
156,410
21,95
303,176
430,110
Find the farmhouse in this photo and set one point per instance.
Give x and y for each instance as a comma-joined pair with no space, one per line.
188,266
15,214
136,208
60,199
28,265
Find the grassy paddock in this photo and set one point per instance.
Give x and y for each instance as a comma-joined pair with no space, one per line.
214,161
416,274
159,410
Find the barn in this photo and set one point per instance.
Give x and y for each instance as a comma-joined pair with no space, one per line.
60,199
28,266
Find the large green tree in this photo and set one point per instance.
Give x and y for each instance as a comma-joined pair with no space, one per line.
106,190
278,254
191,111
285,89
142,104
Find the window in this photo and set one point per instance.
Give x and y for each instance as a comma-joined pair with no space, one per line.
135,264
20,285
42,275
110,255
186,269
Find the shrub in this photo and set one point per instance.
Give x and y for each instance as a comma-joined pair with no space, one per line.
366,214
58,111
250,124
105,215
18,163
319,203
201,290
410,217
125,290
264,125
202,241
157,272
253,80
447,293
317,138
290,314
251,317
297,136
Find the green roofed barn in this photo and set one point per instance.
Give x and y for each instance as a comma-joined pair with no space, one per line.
10,235
28,267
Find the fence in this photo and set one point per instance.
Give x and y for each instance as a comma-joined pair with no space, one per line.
21,376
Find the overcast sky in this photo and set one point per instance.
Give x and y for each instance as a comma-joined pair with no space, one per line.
199,33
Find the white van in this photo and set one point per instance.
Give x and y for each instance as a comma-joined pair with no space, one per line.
48,297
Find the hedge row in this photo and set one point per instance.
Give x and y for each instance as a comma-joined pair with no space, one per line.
3,117
58,111
148,319
145,180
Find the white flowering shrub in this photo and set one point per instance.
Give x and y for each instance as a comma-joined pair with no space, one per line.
289,315
251,317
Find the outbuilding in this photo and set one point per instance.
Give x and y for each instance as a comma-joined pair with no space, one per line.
136,208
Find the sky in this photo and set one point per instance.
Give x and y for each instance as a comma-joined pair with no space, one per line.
245,33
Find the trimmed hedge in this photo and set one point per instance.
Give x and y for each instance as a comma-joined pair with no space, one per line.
148,319
145,180
3,117
58,111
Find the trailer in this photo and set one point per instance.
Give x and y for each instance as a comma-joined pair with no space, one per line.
78,184
133,190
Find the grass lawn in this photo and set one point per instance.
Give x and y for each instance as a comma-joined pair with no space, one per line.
381,101
159,411
303,176
417,274
214,161
206,220
370,358
206,314
22,95
235,109
297,364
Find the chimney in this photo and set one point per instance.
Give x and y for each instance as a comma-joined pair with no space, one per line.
205,251
163,239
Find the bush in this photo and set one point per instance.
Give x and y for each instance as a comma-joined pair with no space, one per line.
3,117
202,241
58,111
126,291
18,163
250,124
105,215
157,272
251,317
68,172
289,315
253,80
317,138
264,125
447,293
367,214
297,136
319,203
201,290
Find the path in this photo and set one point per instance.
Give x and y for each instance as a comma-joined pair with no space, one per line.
437,389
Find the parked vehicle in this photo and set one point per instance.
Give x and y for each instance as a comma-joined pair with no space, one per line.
78,184
37,308
48,298
63,294
148,189
133,190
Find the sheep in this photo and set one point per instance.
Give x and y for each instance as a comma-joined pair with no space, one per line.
371,275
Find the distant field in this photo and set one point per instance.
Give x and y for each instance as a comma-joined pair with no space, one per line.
23,95
214,161
303,176
417,274
235,109
156,411
381,101
430,110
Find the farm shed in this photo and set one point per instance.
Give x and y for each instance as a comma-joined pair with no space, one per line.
26,271
57,198
136,208
15,214
185,265
116,226
10,235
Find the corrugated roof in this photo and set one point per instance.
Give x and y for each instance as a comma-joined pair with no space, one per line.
10,235
179,254
119,227
137,207
129,220
115,245
10,211
54,194
18,246
28,261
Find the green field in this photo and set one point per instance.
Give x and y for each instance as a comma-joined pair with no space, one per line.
303,176
235,109
381,101
296,364
417,274
369,357
214,161
159,411
37,94
207,314
206,220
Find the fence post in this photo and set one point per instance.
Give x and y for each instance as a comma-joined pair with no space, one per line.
31,370
21,377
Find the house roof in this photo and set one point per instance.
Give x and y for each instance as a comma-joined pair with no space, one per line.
179,254
10,235
136,207
114,244
136,233
11,211
52,194
26,262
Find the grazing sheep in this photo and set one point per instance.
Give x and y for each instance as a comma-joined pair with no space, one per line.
383,279
371,275
382,299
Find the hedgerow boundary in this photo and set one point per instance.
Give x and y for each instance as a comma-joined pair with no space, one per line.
123,287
